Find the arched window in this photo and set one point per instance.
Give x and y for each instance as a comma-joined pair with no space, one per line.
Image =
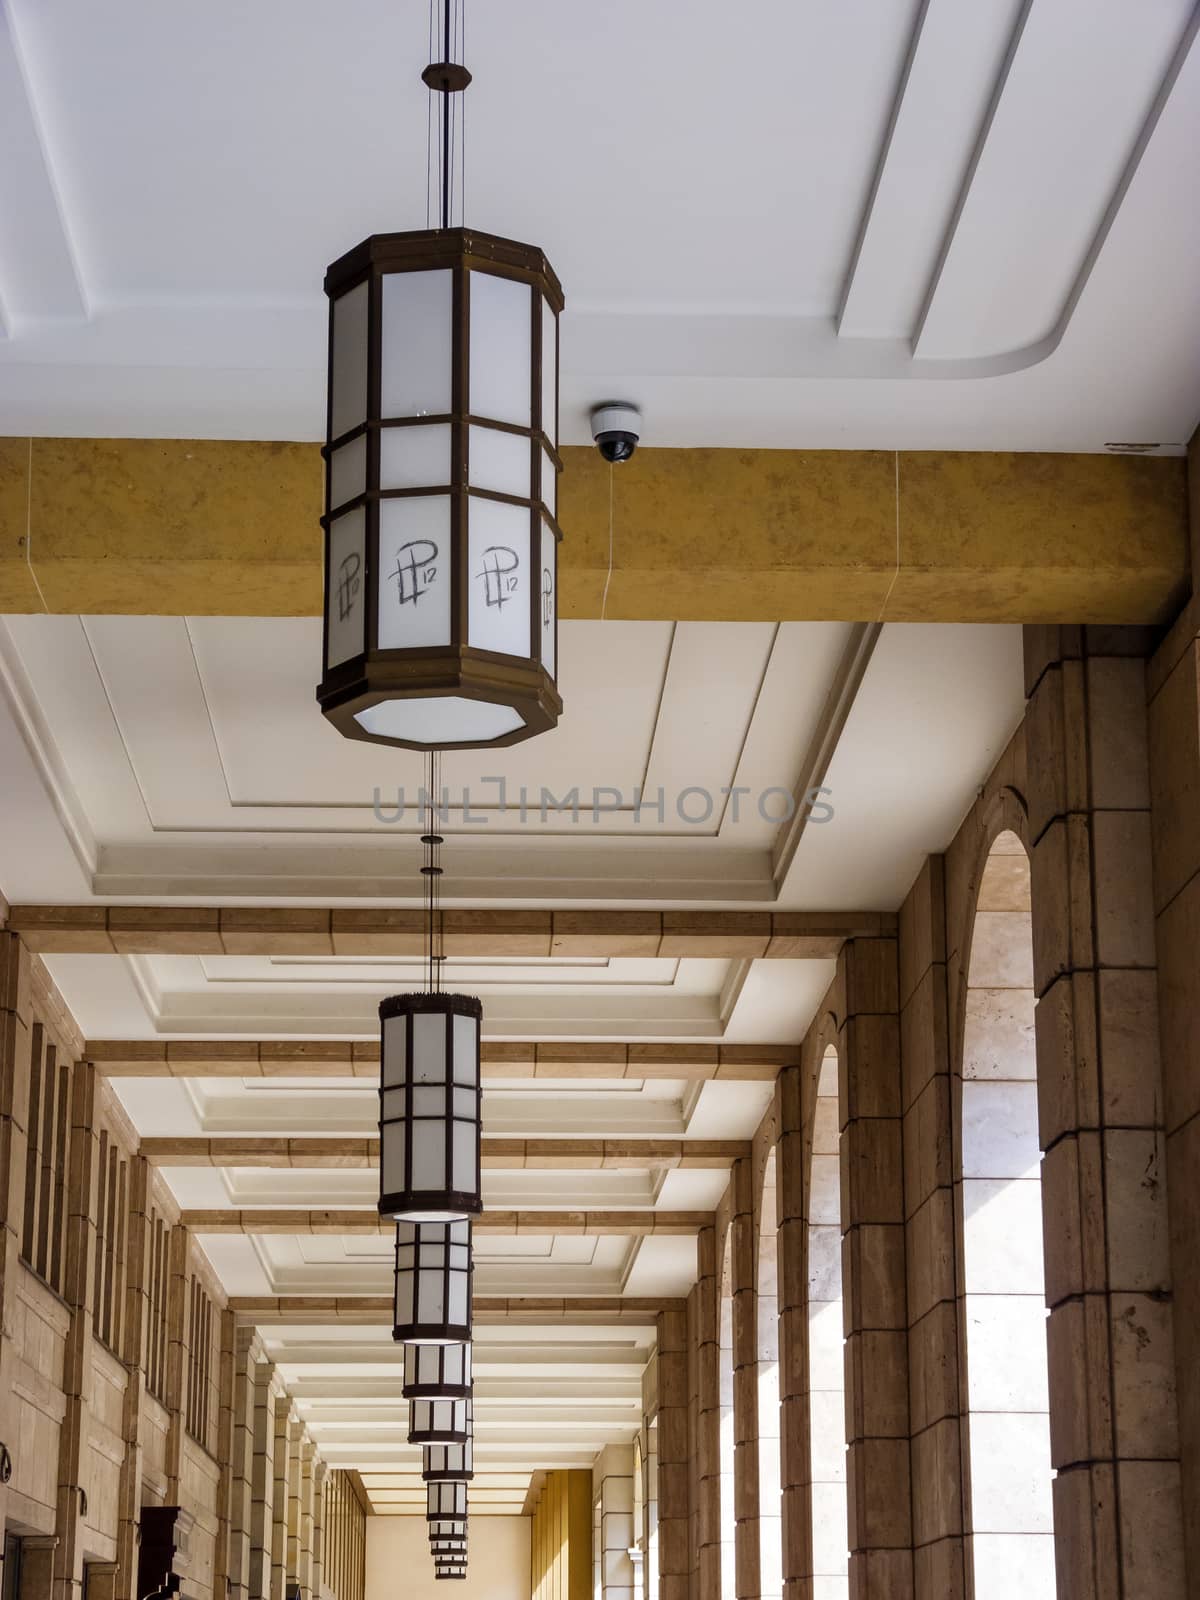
826,1339
1011,1522
637,1550
770,1522
725,1333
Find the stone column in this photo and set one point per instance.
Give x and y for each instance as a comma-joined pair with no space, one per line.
613,1477
297,1441
248,1355
743,1258
137,1303
304,1554
693,1435
1113,1421
100,1580
282,1497
877,1461
673,1542
268,1392
766,1316
320,1471
77,1364
37,1567
929,1211
791,1246
1174,725
177,1355
708,1416
15,1045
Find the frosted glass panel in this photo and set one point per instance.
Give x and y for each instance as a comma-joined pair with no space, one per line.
549,374
395,1053
499,461
415,378
346,600
348,472
428,1157
440,720
349,376
498,577
466,1068
414,572
549,611
501,331
429,1047
414,458
549,485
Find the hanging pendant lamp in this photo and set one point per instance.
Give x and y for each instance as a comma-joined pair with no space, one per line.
432,1301
439,1421
449,1463
446,1502
437,1371
441,468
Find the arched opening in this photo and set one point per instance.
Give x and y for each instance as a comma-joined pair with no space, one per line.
637,1550
826,1341
770,1478
1009,1475
725,1355
650,1574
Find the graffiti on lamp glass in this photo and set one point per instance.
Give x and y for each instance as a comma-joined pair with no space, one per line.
348,581
499,574
415,570
547,597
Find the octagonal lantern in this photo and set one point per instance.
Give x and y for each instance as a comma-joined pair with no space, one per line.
430,1106
433,1371
441,468
446,1503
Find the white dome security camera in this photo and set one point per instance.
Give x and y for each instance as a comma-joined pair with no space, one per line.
616,428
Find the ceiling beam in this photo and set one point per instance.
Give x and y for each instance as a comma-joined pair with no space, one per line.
284,1221
317,931
376,1310
504,1155
508,1058
220,527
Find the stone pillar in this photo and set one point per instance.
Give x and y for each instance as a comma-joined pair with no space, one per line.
1113,1421
137,1303
708,1416
282,1497
268,1392
100,1580
77,1364
613,1487
939,1571
743,1258
297,1440
768,1462
877,1463
320,1471
791,1246
674,1558
248,1355
37,1567
1174,728
177,1355
693,1434
15,1045
304,1554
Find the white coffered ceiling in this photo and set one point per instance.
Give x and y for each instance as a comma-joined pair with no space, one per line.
896,223
183,760
160,757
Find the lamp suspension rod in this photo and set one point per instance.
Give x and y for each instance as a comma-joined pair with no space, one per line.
431,872
447,77
446,124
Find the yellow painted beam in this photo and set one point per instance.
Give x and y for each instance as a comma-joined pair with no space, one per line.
169,527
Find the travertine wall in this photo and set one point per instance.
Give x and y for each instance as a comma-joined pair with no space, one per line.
124,1381
1101,786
